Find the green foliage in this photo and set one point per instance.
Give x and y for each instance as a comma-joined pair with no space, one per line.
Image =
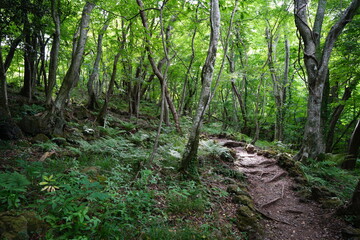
210,147
328,174
187,197
32,109
13,188
47,146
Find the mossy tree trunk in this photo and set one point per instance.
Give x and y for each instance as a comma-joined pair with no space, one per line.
189,160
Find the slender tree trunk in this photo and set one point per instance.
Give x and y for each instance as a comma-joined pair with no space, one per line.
3,88
103,112
189,161
336,116
54,53
92,102
157,72
316,61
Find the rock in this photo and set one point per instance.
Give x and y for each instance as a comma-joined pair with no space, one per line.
40,138
233,189
60,141
8,129
21,226
236,189
319,193
247,220
333,202
243,200
227,156
250,148
34,125
234,144
267,153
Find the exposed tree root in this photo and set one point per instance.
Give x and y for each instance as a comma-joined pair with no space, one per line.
276,177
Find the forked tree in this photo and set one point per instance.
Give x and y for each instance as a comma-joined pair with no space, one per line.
316,60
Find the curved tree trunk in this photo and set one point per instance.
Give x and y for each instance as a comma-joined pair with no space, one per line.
189,160
156,70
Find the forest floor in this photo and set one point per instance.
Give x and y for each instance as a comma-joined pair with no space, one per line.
285,213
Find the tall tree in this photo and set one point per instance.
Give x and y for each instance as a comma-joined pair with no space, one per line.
54,53
93,102
316,59
189,160
353,149
73,73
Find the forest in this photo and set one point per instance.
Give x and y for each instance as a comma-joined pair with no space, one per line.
179,119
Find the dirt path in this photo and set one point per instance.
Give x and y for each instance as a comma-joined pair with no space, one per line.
289,218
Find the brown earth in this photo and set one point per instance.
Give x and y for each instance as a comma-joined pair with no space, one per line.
286,216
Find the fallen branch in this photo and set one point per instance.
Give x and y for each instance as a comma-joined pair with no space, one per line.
276,177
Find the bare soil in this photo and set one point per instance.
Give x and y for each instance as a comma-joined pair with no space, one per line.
285,215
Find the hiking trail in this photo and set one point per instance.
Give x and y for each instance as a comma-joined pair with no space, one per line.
285,215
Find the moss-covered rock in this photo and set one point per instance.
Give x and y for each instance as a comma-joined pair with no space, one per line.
267,153
40,138
333,202
19,226
244,199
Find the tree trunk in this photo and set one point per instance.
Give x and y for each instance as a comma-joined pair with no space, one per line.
103,112
156,70
54,53
353,150
336,116
316,61
92,102
189,161
72,75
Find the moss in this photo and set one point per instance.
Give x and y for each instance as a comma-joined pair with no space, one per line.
13,227
244,200
40,138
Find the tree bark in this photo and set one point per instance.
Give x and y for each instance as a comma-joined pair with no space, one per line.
92,102
72,75
189,160
353,150
103,112
336,115
317,69
54,53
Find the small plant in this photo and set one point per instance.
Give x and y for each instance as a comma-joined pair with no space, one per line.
49,184
32,109
13,187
